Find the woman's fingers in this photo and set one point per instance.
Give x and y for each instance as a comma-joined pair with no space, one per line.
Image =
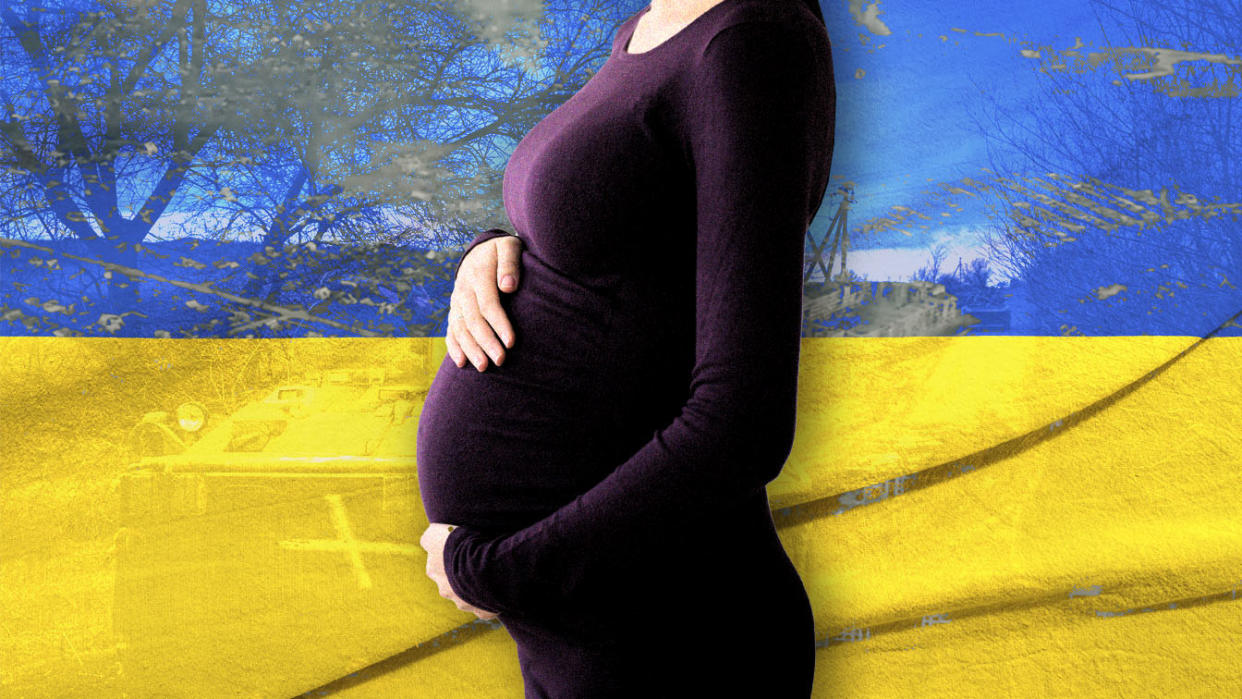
479,327
497,322
432,541
468,349
454,349
482,614
467,607
446,591
479,331
508,272
462,344
459,328
508,264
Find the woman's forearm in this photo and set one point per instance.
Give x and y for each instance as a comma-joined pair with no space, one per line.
759,120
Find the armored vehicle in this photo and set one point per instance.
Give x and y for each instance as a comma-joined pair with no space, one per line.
276,547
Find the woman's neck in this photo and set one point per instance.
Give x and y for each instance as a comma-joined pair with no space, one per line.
681,9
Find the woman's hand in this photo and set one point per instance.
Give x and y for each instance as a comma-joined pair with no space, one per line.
475,316
432,541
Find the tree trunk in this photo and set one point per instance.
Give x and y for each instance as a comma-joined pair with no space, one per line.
123,294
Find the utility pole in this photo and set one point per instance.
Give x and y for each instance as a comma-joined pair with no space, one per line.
836,237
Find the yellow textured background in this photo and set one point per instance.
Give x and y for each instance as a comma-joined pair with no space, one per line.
1103,558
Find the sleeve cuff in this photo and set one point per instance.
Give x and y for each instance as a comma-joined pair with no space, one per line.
457,549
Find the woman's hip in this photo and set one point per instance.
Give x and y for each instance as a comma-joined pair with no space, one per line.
758,647
737,577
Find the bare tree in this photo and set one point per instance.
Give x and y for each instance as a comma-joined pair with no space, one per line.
931,271
1130,241
282,122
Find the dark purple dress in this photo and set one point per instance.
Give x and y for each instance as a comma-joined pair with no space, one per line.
609,478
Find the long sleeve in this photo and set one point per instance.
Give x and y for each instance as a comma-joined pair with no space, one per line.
480,238
758,132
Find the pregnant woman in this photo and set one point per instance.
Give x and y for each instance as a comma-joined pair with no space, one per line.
602,489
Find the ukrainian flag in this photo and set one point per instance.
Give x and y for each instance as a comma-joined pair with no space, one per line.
1042,510
1063,522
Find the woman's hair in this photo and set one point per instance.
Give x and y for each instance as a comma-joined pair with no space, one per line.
815,9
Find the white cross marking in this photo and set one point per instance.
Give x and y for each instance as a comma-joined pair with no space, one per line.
349,543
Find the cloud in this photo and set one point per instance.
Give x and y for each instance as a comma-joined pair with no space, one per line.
869,17
900,263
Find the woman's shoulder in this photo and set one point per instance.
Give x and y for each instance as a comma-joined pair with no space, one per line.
763,34
746,10
790,17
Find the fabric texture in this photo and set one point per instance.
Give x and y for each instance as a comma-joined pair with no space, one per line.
612,471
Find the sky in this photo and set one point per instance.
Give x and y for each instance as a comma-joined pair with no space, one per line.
918,84
910,104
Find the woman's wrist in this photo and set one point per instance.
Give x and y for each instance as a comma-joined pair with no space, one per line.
457,536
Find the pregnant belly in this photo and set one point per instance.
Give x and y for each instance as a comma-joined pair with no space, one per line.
503,448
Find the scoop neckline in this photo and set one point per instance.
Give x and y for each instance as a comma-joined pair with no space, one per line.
629,34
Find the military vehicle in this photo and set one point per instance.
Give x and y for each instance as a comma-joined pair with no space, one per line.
275,548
